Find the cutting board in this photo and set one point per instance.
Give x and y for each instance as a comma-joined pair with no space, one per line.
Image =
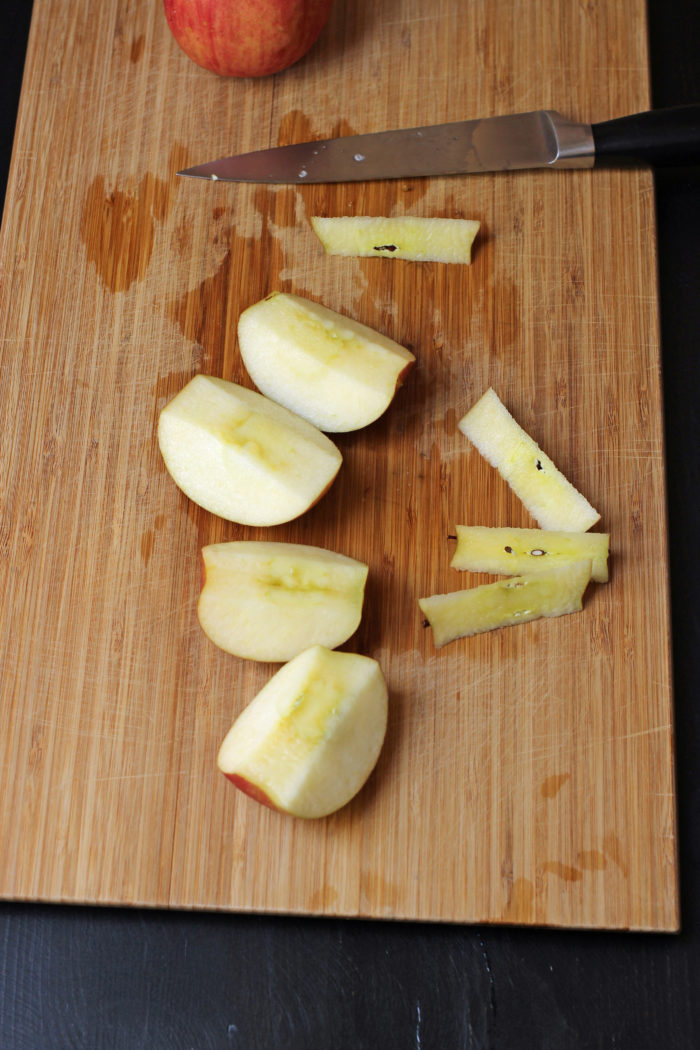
527,774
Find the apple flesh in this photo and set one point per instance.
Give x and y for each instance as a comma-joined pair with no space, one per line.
459,614
309,740
546,493
397,237
246,38
242,456
270,601
337,373
511,551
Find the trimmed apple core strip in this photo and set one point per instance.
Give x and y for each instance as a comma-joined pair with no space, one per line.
334,371
269,601
459,614
310,738
512,551
551,499
400,237
242,456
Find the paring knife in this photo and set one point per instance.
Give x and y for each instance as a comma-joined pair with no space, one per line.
542,139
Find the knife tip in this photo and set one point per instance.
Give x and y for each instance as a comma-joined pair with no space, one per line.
195,173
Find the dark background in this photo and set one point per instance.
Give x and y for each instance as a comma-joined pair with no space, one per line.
116,978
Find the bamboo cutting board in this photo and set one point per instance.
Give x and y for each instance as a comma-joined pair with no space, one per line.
527,775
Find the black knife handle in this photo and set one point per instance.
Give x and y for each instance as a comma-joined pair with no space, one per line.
659,137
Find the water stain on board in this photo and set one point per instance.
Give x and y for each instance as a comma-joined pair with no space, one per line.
592,860
202,315
136,50
588,860
148,538
323,899
551,787
294,126
378,893
567,872
118,227
520,908
207,314
118,224
612,847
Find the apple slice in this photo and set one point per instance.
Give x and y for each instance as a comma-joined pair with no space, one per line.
335,372
510,551
309,740
551,499
242,456
556,592
269,601
401,237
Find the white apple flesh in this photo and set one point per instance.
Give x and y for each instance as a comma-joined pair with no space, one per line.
269,601
546,493
335,372
242,456
309,740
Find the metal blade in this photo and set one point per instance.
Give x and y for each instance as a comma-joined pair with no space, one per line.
540,139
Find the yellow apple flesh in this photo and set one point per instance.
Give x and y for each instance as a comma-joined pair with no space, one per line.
269,601
246,38
459,614
242,456
337,373
309,740
511,551
409,237
549,496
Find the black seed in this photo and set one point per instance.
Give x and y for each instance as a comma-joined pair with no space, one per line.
539,465
385,247
508,550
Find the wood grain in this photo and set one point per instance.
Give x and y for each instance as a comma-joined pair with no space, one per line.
528,774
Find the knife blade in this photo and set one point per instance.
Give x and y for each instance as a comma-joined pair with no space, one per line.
539,139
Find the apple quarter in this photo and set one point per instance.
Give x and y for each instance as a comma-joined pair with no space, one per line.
551,499
308,741
242,456
332,370
269,601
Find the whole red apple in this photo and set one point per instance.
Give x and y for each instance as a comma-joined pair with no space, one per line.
246,38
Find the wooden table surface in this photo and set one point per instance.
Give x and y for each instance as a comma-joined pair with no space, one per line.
112,977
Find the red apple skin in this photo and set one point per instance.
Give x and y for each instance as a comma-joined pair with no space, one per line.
246,38
251,789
